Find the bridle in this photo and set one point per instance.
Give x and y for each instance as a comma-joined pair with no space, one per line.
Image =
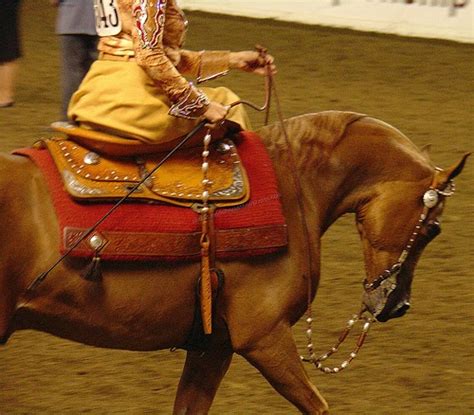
385,281
431,199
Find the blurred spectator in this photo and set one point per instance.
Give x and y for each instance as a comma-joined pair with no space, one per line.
78,38
10,50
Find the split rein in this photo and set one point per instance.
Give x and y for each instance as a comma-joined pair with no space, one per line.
430,200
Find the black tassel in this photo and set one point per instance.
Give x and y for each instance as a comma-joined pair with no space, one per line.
93,271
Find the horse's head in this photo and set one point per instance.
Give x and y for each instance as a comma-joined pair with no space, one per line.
395,226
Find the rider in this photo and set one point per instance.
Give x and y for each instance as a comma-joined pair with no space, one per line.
136,88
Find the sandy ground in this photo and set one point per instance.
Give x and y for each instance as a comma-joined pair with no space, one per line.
421,364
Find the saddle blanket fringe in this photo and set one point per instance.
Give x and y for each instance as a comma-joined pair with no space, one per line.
145,231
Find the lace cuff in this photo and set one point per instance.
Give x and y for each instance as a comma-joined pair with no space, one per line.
192,106
213,64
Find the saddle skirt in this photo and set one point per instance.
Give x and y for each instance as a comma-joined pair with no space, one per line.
90,176
159,230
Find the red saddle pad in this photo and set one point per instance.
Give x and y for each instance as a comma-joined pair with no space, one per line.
144,231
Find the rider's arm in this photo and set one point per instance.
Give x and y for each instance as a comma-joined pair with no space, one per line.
149,20
204,65
207,65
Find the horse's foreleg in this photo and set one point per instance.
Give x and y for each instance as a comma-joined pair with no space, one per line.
277,358
200,380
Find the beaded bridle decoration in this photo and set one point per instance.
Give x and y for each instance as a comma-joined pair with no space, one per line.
430,200
386,279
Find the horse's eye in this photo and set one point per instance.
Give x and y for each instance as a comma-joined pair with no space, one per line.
433,229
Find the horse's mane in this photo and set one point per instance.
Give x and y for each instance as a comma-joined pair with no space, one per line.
314,136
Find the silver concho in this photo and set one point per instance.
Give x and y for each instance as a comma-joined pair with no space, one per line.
430,198
96,242
91,158
223,148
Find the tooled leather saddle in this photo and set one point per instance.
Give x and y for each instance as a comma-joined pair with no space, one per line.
88,175
157,230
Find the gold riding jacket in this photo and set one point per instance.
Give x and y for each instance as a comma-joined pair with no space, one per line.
152,33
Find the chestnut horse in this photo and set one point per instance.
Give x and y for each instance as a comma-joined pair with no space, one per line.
370,169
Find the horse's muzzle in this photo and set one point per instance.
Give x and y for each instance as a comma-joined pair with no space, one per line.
398,311
388,301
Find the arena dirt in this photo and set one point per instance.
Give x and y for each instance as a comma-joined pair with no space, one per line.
420,364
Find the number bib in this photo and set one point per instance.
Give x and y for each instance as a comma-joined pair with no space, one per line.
107,18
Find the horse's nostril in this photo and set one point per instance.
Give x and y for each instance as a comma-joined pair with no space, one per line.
405,307
400,311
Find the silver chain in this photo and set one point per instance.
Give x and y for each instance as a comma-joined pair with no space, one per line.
317,362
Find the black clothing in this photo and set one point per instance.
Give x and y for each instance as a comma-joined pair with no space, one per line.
10,48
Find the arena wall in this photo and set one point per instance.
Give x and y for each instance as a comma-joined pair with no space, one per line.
441,19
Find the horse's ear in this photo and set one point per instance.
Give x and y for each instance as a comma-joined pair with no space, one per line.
454,170
426,150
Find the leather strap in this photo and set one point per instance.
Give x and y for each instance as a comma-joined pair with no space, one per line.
206,287
110,57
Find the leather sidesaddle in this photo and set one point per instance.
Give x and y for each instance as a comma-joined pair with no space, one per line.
90,176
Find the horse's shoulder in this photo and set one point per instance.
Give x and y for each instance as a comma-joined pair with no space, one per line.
15,167
11,158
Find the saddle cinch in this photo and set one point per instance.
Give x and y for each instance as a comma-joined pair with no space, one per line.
90,176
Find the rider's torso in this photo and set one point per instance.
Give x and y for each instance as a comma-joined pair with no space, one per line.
121,44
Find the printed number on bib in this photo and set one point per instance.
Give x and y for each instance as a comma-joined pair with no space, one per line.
107,18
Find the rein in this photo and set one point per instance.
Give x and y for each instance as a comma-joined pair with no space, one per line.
430,200
268,89
342,337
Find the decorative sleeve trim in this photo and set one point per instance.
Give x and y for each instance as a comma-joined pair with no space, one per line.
213,64
150,21
192,106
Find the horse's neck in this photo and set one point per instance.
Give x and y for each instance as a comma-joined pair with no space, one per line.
294,155
302,160
338,162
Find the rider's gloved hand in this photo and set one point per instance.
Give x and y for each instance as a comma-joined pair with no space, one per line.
216,112
252,61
